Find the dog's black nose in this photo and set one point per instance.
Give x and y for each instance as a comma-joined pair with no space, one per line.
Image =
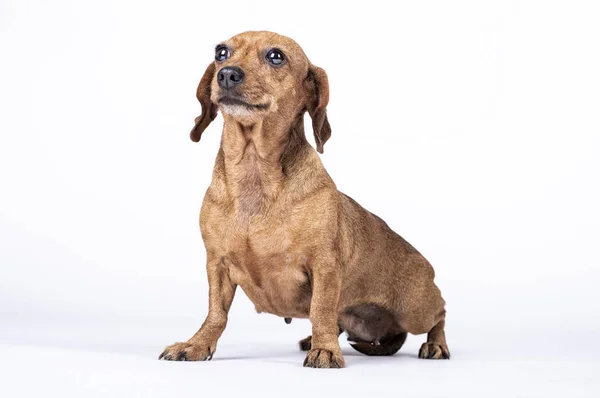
230,76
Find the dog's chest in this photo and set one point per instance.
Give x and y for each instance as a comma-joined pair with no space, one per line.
276,284
259,240
271,270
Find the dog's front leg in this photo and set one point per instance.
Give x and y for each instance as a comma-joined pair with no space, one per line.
203,344
325,349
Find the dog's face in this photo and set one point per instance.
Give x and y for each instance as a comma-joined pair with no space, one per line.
256,75
255,71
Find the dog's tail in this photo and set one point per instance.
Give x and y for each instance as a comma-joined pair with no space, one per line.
389,347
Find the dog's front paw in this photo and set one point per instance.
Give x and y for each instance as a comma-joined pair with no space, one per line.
187,352
434,351
320,358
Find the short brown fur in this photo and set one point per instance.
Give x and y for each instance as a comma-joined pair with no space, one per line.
274,223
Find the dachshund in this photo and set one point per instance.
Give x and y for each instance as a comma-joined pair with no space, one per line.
274,223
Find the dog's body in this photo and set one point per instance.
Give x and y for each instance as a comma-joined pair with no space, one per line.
274,223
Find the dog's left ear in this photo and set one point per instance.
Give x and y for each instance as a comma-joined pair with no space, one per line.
318,98
209,109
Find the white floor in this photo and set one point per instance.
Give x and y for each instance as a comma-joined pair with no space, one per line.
84,358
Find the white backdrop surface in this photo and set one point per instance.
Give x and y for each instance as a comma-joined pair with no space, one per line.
488,128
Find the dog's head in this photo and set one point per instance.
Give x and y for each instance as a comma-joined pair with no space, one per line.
257,75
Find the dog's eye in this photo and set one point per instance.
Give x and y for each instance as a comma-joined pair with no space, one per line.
275,57
221,53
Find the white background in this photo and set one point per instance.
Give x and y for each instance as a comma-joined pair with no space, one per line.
472,128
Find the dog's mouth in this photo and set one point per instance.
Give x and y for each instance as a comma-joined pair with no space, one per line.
231,100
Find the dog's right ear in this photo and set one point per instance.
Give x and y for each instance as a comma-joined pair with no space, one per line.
209,109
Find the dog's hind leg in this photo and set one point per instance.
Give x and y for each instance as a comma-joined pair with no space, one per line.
435,347
305,343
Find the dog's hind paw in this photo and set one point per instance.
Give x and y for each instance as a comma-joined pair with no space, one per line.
187,352
305,344
319,358
434,351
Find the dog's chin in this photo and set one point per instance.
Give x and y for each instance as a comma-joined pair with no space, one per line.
241,109
237,111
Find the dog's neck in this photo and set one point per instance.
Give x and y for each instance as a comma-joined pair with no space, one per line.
256,159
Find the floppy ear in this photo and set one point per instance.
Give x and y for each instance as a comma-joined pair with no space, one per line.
318,98
209,109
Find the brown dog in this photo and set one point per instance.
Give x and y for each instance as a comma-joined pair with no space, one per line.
274,223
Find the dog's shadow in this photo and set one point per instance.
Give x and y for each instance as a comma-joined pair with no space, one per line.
285,355
282,354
